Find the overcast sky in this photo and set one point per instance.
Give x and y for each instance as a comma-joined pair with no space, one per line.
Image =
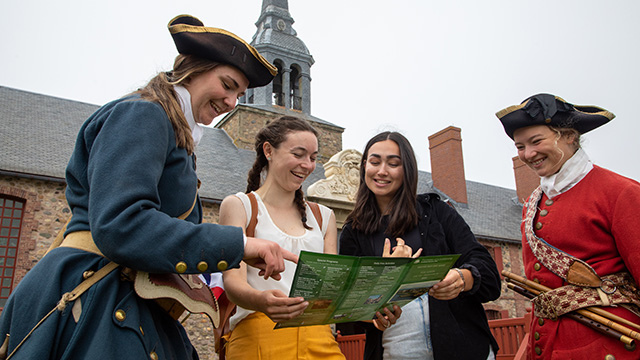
414,66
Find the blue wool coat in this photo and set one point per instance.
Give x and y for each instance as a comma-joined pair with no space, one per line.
127,182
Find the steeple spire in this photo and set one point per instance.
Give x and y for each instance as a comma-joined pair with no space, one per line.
283,4
278,42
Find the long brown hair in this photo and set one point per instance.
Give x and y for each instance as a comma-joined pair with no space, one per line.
275,133
366,216
160,90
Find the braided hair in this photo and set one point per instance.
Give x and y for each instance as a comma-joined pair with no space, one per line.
275,133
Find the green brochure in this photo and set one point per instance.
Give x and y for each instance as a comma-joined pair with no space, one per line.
342,288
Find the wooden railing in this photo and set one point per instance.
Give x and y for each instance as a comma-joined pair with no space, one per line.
511,334
352,346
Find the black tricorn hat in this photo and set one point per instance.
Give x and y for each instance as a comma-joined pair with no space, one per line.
193,38
547,109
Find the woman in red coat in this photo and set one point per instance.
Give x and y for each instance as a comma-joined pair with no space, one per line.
580,214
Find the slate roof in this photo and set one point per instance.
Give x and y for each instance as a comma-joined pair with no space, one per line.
38,134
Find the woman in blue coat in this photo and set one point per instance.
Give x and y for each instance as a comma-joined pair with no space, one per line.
131,181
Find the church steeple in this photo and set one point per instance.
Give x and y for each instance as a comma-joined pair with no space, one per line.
278,42
289,93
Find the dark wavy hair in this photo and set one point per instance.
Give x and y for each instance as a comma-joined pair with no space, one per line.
275,133
366,216
160,90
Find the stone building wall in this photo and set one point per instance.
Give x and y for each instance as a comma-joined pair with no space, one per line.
46,212
244,123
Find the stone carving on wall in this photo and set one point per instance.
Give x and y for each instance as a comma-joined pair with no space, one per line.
342,177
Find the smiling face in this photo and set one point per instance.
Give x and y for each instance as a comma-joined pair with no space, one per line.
543,149
293,161
216,92
384,171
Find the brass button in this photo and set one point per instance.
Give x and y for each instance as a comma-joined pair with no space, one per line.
121,315
544,212
549,202
222,265
536,266
609,357
141,331
536,280
540,322
538,350
181,267
202,266
536,335
538,225
153,356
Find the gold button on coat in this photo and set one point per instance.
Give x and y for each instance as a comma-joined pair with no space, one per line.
202,266
540,321
181,267
538,225
536,335
609,357
153,355
538,350
549,202
544,212
536,266
121,315
223,265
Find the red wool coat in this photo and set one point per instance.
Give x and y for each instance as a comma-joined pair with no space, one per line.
597,221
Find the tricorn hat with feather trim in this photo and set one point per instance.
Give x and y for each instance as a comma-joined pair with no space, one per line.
193,38
547,109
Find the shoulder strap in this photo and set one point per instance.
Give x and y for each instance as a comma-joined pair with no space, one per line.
315,209
253,221
569,268
251,228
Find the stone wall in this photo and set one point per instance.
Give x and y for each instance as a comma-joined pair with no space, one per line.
244,123
46,212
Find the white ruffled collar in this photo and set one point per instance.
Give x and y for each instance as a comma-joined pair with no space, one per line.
184,96
572,171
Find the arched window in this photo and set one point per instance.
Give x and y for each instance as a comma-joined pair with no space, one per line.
278,90
11,213
295,81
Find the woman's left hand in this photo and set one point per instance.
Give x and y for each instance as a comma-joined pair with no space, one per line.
400,250
450,287
384,321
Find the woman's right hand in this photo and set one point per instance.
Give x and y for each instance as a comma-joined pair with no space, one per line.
267,256
384,321
400,250
279,307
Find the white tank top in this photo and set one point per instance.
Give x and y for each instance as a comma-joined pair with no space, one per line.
312,240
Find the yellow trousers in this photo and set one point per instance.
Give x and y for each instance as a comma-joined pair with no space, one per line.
254,338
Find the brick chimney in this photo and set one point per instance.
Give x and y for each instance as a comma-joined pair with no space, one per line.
526,179
447,165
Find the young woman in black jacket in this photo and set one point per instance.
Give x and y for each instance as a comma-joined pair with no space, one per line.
449,321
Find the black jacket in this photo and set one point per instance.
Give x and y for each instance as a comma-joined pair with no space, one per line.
459,327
